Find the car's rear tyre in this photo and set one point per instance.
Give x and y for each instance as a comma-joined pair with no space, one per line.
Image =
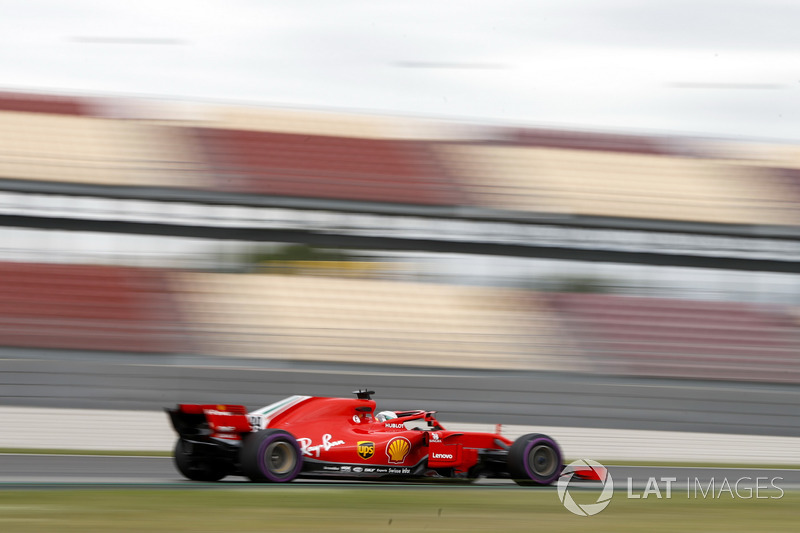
197,468
271,455
534,459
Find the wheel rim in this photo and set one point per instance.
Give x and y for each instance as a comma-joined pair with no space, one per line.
280,458
542,460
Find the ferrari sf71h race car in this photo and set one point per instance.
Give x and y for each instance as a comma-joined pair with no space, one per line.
344,437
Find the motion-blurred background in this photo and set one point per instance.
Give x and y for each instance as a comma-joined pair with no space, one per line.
176,244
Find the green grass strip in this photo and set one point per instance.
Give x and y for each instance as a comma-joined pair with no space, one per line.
281,508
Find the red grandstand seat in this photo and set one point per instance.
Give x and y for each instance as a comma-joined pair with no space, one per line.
40,103
296,165
683,338
87,307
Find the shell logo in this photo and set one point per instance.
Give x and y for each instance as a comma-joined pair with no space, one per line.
398,449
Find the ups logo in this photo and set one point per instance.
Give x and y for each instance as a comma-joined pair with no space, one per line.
365,449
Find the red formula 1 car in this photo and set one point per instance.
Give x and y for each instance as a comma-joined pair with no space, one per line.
344,437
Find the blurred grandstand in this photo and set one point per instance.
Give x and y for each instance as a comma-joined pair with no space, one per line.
192,176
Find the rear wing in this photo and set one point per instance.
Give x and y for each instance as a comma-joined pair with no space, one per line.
210,420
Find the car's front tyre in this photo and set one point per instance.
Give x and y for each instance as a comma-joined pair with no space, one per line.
271,455
534,459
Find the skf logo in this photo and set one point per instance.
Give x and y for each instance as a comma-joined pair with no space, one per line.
365,449
397,449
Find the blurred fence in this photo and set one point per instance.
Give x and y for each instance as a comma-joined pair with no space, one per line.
516,397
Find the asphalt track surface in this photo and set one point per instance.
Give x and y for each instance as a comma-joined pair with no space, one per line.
58,471
152,382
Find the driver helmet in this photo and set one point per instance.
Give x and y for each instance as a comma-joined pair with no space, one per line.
383,416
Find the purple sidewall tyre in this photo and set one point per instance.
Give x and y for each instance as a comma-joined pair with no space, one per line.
271,455
535,459
531,465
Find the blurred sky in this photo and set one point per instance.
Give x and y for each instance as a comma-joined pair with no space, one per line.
722,67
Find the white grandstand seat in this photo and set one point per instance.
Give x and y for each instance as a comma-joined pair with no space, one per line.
371,321
66,148
603,183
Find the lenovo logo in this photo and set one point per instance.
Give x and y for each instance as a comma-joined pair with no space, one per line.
435,455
